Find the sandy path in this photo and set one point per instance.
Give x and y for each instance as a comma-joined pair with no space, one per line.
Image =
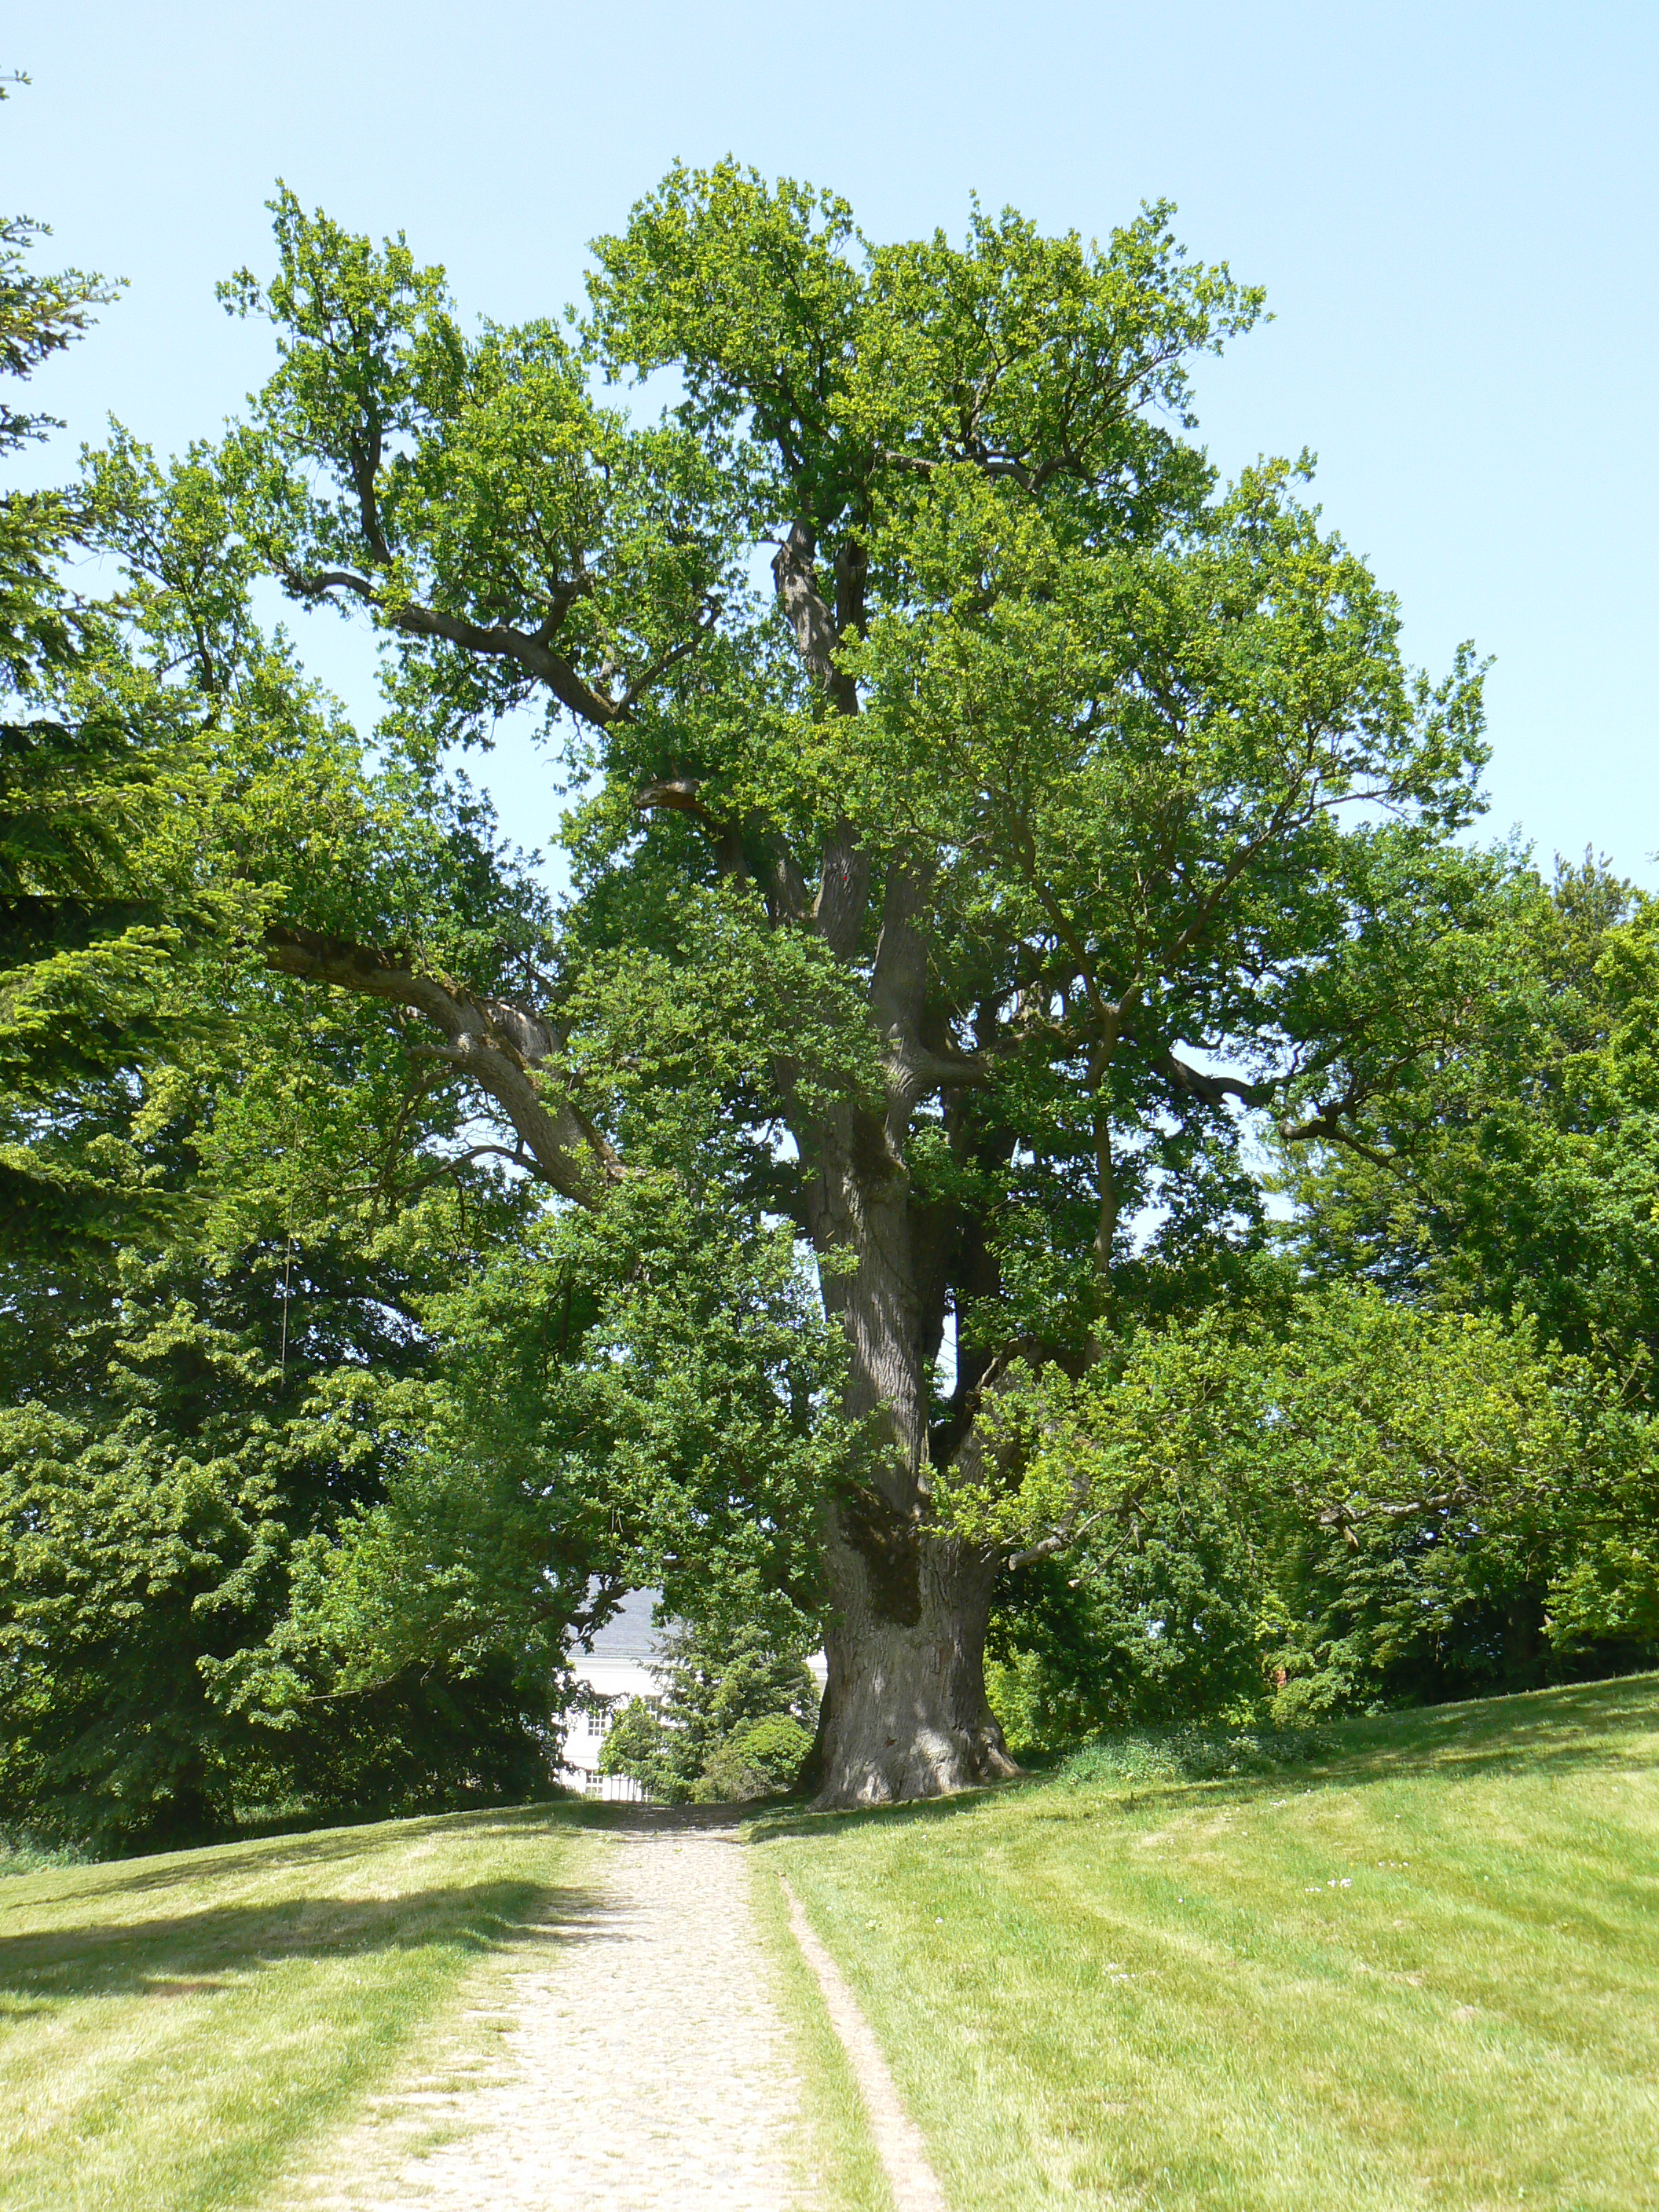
643,2064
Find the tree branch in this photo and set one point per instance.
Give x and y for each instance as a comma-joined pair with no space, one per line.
493,641
1327,1126
816,635
681,794
1212,1088
1048,1548
672,659
498,1044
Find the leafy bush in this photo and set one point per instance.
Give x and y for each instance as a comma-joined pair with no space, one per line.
1149,1635
762,1762
1347,1505
1195,1754
734,1718
21,1854
637,1743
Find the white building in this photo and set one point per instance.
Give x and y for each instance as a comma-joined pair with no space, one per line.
618,1668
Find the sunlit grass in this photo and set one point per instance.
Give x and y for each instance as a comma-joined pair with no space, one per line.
1424,1971
174,2030
839,2152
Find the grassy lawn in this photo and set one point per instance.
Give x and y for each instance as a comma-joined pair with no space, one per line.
840,2153
174,2030
1424,1971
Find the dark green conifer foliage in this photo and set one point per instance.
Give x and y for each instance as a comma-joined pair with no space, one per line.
736,1713
177,1426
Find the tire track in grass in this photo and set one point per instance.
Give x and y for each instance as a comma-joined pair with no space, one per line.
898,2140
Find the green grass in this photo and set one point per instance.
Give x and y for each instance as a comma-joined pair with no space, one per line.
175,2031
841,2155
1422,1969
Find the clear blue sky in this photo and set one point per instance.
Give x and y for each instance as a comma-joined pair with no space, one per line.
1453,207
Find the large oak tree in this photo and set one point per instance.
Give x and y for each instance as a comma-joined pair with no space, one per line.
1018,810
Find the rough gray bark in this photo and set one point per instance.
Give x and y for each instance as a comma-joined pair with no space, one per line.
500,1045
905,1713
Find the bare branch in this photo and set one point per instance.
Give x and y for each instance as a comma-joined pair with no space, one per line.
516,1154
1048,1547
1326,1127
680,794
1212,1088
1344,1517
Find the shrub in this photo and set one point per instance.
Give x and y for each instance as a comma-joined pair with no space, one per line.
762,1761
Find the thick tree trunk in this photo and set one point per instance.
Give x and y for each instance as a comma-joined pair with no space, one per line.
905,1714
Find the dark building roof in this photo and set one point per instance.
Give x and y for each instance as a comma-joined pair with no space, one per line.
628,1636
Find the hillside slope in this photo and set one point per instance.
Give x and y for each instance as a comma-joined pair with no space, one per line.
1422,1971
175,2031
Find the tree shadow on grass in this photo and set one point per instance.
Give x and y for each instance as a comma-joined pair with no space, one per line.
318,1847
193,1953
797,1821
1585,1725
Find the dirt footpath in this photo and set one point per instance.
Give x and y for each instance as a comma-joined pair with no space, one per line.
643,2065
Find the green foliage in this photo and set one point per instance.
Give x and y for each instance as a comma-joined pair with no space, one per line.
1196,1754
95,756
636,1744
40,316
1017,348
1135,756
917,906
635,1394
1068,650
20,1853
1069,655
1146,1634
1518,1169
1363,1502
734,1719
761,1760
176,1434
450,478
232,1206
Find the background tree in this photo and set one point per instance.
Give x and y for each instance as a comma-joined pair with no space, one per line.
1154,1621
154,1490
227,1210
736,1713
194,1401
103,718
1427,1506
1517,1169
1060,803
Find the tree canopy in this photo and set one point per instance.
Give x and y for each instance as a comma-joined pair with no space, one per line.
1053,803
1003,852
